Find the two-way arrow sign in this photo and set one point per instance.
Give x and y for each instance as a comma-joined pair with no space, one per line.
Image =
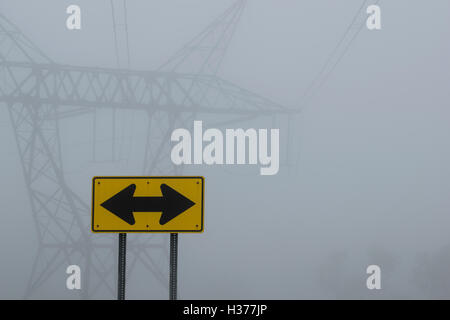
164,204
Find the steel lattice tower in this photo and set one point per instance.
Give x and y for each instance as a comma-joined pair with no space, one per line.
39,93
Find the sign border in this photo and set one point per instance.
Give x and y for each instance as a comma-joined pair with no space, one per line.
148,178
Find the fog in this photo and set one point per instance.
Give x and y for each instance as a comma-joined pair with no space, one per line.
368,173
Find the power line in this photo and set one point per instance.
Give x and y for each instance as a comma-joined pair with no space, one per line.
328,68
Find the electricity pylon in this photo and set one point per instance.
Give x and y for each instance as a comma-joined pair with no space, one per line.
39,93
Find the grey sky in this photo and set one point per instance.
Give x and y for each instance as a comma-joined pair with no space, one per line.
372,179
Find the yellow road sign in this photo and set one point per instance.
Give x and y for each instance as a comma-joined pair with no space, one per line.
147,204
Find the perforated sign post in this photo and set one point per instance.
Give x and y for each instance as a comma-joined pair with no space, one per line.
147,205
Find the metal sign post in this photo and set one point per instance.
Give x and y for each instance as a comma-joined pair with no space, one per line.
173,266
122,266
147,204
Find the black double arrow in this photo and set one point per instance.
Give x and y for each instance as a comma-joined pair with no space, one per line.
171,204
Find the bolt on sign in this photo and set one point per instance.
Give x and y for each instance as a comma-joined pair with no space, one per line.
147,204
